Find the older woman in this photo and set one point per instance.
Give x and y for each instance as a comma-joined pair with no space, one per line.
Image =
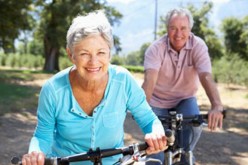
84,106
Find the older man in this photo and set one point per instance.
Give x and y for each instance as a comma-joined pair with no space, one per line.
174,64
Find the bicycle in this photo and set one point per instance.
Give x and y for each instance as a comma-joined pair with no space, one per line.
175,121
136,152
131,154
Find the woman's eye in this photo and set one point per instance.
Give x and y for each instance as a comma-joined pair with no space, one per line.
101,53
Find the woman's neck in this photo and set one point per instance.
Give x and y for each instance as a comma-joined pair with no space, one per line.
88,85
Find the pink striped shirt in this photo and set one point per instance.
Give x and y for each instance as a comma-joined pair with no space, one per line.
178,73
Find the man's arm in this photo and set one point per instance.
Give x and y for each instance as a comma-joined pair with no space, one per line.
215,114
150,79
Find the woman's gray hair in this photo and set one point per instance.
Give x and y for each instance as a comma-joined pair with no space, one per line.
93,23
179,11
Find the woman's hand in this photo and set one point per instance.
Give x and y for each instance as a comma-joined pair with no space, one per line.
33,158
156,142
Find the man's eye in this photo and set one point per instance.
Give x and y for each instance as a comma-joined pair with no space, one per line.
84,54
184,28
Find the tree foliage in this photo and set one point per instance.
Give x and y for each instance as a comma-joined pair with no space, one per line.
14,17
137,57
235,36
117,60
55,19
201,28
133,58
142,52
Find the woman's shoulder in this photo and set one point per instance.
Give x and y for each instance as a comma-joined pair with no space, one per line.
118,72
60,79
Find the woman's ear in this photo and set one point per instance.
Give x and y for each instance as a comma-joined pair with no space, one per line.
69,54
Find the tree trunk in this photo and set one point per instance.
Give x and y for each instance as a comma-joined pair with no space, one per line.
51,61
51,57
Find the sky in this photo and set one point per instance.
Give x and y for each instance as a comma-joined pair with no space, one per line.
138,22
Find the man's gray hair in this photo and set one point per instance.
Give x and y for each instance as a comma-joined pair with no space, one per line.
93,23
179,11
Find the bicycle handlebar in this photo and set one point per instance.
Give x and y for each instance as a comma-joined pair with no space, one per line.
90,155
194,119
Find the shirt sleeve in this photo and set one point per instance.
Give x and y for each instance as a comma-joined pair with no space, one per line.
43,135
154,56
140,109
201,58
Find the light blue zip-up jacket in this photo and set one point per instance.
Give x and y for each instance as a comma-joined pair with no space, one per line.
64,129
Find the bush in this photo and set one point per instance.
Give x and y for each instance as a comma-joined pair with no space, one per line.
117,60
139,69
19,61
231,70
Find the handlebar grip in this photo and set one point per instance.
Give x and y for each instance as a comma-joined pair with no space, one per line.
48,161
205,116
142,146
169,135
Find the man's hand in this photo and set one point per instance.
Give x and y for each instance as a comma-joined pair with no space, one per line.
215,119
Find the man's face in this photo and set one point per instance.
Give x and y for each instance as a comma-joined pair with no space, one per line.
178,31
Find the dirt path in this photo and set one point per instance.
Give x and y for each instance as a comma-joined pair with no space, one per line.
228,146
219,148
15,133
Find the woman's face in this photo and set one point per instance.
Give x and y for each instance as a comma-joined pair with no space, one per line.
91,57
178,31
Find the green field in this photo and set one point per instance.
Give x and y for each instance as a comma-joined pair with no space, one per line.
16,93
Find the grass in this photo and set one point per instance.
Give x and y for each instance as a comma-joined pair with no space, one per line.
16,95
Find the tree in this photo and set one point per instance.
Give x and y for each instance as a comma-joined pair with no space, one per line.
133,58
142,52
117,60
137,57
201,28
235,36
15,17
35,47
56,16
